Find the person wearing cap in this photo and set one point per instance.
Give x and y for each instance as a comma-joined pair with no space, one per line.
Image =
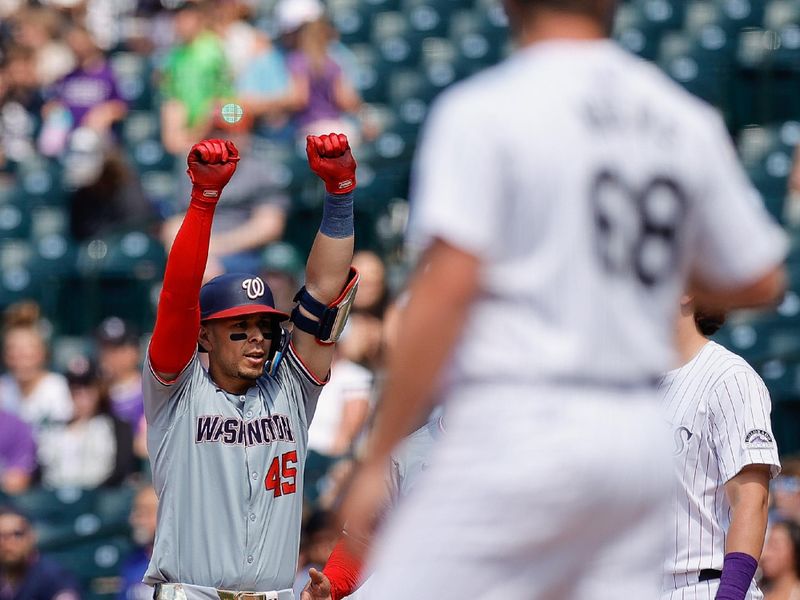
323,96
119,362
228,444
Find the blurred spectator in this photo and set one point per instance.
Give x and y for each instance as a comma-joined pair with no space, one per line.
24,574
89,95
785,490
282,270
143,531
229,21
28,389
363,343
318,539
39,29
108,195
195,79
322,94
264,91
342,408
94,448
253,214
17,454
120,366
21,102
373,293
780,562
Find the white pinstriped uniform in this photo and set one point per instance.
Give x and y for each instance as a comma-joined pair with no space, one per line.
719,410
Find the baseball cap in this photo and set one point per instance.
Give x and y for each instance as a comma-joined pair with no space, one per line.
293,14
113,331
81,372
235,294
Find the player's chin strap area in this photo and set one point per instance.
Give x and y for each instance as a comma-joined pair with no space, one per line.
332,318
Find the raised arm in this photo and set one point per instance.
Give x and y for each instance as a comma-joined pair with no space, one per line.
211,165
328,264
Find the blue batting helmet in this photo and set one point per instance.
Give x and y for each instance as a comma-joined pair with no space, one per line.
235,294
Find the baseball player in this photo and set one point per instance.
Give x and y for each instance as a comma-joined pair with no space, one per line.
228,444
562,199
725,455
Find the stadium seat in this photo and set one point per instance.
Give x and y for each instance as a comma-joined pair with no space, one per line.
701,63
40,183
766,153
95,561
740,14
54,506
425,19
133,75
15,220
371,75
636,33
353,26
392,35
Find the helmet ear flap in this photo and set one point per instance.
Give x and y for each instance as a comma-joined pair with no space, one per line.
280,341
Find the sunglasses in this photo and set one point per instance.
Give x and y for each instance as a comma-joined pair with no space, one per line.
14,533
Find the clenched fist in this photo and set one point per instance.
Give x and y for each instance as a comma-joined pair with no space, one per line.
212,163
329,156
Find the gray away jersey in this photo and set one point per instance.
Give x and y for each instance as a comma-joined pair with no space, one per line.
718,408
228,470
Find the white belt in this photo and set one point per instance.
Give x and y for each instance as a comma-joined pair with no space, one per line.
184,591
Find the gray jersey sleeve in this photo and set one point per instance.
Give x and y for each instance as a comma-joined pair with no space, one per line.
739,422
300,383
163,401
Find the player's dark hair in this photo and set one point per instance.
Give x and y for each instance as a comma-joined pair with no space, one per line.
708,322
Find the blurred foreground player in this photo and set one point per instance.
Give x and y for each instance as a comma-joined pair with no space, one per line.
563,199
229,444
725,455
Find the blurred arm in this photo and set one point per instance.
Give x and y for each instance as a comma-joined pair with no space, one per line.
441,293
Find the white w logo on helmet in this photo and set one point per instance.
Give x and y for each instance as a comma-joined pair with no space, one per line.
254,287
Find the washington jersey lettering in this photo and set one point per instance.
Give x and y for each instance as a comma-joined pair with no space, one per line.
228,470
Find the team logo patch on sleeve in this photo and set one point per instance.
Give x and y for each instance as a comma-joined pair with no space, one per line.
758,438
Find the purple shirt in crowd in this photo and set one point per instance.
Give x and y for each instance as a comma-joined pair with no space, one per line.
321,103
83,89
128,405
17,448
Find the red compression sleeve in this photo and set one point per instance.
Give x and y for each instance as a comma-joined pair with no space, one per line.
174,339
343,570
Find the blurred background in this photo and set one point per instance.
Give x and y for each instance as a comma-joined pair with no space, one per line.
100,101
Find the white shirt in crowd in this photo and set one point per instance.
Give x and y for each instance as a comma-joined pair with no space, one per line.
49,402
349,382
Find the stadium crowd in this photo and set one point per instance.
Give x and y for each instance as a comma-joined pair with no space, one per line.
77,423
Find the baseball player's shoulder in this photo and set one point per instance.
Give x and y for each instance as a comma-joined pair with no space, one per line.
472,97
728,367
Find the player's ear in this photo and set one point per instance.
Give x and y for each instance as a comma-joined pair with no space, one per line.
687,300
203,338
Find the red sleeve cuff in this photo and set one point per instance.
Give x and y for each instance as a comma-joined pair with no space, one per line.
343,570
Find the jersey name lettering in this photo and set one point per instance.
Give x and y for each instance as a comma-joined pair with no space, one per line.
233,431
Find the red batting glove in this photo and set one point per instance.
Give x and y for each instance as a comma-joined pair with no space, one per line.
329,157
212,163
